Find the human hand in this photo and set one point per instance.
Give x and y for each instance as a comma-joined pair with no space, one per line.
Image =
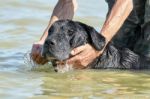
36,54
83,55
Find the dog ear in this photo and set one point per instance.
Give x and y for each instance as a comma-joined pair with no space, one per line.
95,38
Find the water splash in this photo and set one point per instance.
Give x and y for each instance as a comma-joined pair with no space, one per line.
32,65
28,60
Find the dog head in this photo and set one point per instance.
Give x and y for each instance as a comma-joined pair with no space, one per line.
64,35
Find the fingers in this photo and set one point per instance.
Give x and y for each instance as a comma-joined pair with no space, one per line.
77,50
81,51
82,56
44,61
76,62
74,59
78,59
38,59
36,54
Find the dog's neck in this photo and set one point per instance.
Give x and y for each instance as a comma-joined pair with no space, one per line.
116,58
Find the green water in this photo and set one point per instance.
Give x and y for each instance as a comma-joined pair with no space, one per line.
22,22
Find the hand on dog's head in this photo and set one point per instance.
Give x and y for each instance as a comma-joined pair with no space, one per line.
64,35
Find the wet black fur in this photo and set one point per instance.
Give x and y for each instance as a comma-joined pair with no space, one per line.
64,35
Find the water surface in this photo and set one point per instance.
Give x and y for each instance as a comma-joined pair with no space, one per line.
22,22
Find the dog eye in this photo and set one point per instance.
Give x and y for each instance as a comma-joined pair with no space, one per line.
70,32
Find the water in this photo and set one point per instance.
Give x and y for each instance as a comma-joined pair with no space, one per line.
22,22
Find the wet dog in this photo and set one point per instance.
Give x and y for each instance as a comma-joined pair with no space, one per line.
64,35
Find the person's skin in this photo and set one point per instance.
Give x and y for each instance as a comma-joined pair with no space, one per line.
84,55
64,9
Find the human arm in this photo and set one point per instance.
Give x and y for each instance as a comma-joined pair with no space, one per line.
86,54
116,18
64,9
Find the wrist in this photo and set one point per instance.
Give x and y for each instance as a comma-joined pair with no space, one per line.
100,52
44,36
40,42
107,40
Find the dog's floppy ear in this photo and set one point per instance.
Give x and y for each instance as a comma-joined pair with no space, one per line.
95,38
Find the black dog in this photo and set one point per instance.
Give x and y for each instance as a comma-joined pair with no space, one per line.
64,35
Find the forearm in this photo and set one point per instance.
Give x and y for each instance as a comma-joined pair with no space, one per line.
64,9
116,18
